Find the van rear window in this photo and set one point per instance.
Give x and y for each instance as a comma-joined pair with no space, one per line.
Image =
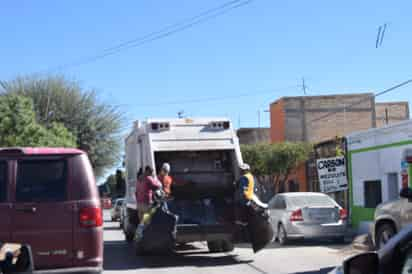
3,181
41,181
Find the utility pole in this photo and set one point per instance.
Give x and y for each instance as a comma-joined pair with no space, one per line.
258,112
386,116
238,121
304,86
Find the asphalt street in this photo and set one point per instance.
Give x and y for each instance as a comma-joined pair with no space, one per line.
300,257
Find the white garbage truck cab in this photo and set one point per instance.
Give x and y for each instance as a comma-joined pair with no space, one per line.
204,156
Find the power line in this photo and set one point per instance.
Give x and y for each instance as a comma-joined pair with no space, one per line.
210,99
364,100
159,34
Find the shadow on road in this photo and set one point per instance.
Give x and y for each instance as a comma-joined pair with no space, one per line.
320,271
111,228
302,243
118,255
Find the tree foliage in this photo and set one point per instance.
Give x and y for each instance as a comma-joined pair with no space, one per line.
95,124
18,126
275,162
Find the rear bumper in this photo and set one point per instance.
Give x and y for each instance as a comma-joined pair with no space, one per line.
314,231
198,233
73,270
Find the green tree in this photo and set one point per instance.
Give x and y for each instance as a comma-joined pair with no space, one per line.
96,125
274,163
18,126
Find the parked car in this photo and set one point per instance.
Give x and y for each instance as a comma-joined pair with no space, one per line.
106,203
394,258
49,200
115,213
303,215
391,217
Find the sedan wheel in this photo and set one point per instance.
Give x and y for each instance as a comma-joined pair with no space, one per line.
385,232
282,236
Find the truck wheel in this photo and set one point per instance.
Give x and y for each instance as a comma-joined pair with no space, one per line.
215,246
129,237
139,249
227,246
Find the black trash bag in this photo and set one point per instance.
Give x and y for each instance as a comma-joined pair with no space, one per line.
159,236
259,227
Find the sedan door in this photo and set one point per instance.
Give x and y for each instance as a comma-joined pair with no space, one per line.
277,211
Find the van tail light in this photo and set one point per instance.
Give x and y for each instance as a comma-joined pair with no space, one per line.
296,216
343,214
91,217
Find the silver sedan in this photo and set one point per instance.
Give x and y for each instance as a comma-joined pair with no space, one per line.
303,215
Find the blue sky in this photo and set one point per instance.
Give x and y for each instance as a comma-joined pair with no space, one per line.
264,48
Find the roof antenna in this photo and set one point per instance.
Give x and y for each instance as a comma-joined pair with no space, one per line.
304,87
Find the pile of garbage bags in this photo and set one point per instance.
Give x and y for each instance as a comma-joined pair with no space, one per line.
157,232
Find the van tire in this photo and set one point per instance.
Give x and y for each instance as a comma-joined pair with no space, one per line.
214,246
227,246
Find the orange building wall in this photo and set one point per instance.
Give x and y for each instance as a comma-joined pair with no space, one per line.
277,122
277,134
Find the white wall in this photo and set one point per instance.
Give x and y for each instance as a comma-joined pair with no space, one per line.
375,165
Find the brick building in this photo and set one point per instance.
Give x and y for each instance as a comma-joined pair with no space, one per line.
317,119
389,113
249,136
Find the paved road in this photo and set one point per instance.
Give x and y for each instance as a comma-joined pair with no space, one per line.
297,258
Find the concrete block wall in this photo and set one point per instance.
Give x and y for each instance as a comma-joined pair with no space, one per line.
253,135
389,113
303,118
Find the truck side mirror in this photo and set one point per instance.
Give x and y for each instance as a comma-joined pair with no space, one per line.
365,263
406,193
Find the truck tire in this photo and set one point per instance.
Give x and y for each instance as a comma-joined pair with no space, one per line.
129,237
227,246
139,249
215,246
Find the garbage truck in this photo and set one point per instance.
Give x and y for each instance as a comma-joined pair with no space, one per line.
204,156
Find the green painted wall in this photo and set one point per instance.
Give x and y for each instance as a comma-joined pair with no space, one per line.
410,175
357,213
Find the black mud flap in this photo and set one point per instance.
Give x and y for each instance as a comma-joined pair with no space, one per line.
159,235
259,228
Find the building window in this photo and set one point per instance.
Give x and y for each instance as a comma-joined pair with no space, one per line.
372,193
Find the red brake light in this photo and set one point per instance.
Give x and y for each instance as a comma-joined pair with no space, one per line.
296,216
91,217
343,214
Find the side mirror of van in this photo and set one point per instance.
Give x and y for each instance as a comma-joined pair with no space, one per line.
365,263
406,193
